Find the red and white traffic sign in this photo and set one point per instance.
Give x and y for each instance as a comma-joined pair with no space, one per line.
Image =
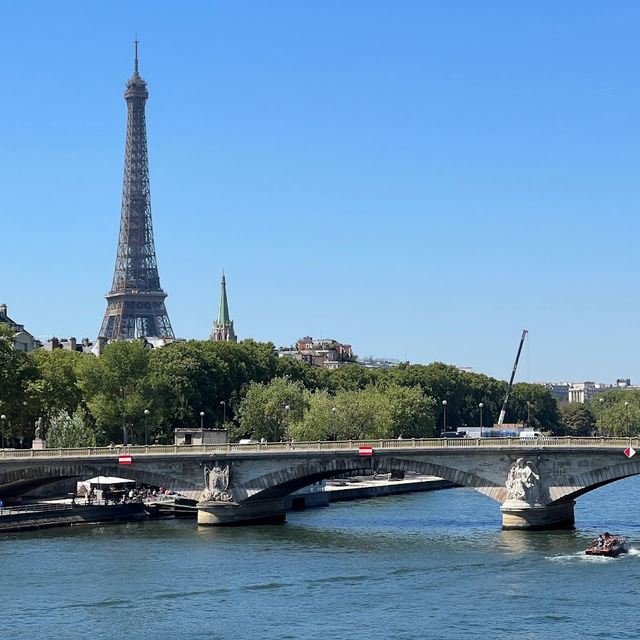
365,451
629,452
124,459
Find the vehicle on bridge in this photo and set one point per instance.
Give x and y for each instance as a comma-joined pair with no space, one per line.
488,432
530,433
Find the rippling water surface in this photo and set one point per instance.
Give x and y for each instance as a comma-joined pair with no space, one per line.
426,565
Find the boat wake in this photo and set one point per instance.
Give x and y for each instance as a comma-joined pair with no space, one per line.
581,556
578,557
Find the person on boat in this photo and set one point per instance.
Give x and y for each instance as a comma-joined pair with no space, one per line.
600,541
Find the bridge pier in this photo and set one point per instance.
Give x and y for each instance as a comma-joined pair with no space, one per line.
218,514
517,514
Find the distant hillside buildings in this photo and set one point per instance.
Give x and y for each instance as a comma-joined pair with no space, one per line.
324,352
583,392
330,354
22,338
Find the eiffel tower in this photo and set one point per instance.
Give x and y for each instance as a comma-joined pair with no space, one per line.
135,304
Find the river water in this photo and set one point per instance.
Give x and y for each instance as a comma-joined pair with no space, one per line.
425,565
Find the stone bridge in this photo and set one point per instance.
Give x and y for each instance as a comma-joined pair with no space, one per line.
536,482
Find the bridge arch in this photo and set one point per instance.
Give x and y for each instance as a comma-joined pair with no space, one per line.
285,481
15,482
576,486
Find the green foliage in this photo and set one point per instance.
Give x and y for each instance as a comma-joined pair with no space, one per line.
117,390
319,421
16,371
529,403
413,415
352,377
363,413
617,413
533,405
263,411
69,431
577,419
249,385
56,386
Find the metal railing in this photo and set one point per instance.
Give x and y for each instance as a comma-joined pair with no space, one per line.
318,446
35,508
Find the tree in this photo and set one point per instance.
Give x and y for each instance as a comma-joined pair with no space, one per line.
619,413
263,412
363,414
352,377
413,414
577,419
534,405
117,390
56,386
16,371
318,422
188,377
69,431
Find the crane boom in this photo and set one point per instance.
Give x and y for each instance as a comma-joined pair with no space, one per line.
503,411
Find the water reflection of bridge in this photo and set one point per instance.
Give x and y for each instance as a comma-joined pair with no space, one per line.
536,481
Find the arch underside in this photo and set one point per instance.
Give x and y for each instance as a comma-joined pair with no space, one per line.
279,484
17,482
575,486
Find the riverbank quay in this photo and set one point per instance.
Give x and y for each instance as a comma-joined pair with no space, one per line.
62,513
360,487
47,515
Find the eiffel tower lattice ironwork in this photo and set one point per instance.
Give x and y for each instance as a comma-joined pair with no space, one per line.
135,304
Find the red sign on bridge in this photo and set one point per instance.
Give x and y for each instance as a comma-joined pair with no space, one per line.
365,451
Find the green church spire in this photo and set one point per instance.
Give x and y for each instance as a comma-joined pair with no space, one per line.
223,325
223,310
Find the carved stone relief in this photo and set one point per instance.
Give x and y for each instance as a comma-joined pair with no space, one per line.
216,484
523,482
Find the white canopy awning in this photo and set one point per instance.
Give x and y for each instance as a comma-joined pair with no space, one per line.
104,482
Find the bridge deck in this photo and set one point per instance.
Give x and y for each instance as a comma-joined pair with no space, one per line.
326,446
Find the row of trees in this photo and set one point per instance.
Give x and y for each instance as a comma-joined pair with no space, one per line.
140,394
612,413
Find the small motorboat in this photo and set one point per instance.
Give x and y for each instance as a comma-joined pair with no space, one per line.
607,545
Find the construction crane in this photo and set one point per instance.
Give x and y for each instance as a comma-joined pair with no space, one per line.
503,411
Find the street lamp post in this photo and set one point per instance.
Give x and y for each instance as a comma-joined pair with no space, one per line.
202,421
146,427
335,435
600,402
287,409
626,417
22,429
124,418
481,405
224,412
3,419
444,418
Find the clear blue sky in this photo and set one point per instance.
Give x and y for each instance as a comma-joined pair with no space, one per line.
420,179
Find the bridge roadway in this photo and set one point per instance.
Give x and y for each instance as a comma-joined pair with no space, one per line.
536,481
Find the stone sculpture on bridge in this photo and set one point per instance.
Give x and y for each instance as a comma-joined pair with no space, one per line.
523,482
216,483
39,428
